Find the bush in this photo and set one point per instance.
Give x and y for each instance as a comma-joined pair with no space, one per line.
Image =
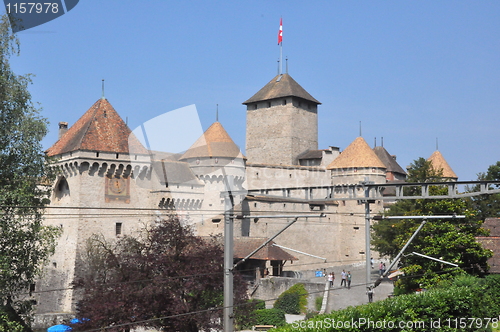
244,315
447,304
318,303
272,316
293,301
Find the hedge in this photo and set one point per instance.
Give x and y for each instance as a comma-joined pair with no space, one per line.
475,301
272,316
293,301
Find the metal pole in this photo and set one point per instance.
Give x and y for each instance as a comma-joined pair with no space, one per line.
435,259
367,239
228,321
379,280
367,233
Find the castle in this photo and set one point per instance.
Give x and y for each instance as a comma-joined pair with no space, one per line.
109,183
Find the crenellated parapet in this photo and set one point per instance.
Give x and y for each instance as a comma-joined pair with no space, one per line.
102,168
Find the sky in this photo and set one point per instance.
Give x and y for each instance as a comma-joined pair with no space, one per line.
413,72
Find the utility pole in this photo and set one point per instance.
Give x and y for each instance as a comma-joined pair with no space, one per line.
228,321
367,230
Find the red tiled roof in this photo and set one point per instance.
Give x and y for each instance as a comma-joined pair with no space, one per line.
243,246
99,129
215,142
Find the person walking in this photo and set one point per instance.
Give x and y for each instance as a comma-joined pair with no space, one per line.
343,277
380,268
370,293
349,278
330,279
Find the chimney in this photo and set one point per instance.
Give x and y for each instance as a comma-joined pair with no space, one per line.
63,128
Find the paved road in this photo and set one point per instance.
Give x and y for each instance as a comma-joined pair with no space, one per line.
341,297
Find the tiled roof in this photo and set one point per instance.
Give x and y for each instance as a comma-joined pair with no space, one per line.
357,154
492,243
438,163
278,88
388,160
177,172
243,246
311,154
493,224
215,142
99,129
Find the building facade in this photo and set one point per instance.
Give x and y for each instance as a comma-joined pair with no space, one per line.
108,183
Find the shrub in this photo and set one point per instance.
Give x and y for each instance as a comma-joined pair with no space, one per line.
272,316
245,314
293,300
318,303
447,304
289,303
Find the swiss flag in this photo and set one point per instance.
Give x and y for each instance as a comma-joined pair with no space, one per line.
280,33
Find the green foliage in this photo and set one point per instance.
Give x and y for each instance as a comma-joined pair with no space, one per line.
487,206
452,240
465,296
6,325
10,321
272,316
293,300
318,303
244,315
25,244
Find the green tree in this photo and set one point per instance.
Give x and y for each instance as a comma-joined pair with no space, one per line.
452,240
167,272
25,244
488,206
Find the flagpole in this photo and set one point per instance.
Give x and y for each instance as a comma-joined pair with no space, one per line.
281,58
280,43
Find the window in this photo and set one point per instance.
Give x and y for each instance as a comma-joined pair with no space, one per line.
118,229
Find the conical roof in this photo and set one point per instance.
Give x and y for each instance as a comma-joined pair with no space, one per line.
99,129
357,154
281,86
388,160
439,163
215,142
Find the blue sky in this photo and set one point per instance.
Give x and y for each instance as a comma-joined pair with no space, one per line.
410,71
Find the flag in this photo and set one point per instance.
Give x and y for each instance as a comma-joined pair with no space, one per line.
280,33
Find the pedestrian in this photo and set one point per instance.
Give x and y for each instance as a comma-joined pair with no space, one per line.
383,268
371,261
380,267
349,278
370,293
330,279
343,277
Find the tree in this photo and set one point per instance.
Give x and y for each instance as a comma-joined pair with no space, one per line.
488,206
25,244
452,240
168,277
